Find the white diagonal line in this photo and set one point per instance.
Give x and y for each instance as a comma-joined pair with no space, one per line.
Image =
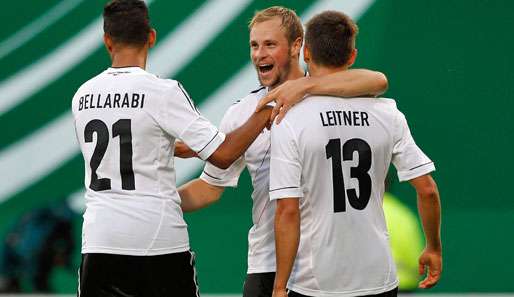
246,80
26,83
181,46
37,26
33,78
36,156
58,149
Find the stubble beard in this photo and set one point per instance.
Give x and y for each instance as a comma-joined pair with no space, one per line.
281,77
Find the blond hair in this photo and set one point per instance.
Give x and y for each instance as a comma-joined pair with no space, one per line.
290,21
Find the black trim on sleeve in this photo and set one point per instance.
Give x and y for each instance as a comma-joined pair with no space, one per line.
189,100
421,165
257,90
211,175
198,152
283,188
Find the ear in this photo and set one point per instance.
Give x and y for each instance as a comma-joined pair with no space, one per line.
352,58
306,54
297,47
108,43
152,37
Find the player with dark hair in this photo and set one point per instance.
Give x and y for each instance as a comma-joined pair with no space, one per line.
135,240
276,37
329,160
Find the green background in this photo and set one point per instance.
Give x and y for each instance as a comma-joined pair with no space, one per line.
449,65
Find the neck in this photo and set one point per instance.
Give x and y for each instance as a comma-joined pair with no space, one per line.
295,72
318,70
129,56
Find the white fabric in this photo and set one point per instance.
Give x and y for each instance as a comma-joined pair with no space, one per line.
261,240
146,220
343,253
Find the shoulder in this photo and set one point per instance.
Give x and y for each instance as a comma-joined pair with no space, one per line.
249,102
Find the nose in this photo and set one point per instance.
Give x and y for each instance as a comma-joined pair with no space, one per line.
259,52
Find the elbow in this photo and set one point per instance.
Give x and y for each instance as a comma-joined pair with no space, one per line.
221,160
382,83
223,163
428,191
288,210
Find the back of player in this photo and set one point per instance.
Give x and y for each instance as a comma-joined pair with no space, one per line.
126,122
343,149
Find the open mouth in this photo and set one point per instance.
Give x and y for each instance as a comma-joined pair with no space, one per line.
265,68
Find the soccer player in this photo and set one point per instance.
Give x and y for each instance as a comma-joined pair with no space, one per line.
135,240
276,36
329,160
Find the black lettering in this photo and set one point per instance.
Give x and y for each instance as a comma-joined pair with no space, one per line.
91,101
107,102
81,103
98,102
135,100
338,119
364,117
142,100
117,98
347,115
322,120
85,101
356,118
330,118
125,101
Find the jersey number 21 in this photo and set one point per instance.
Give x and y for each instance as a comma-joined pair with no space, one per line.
121,128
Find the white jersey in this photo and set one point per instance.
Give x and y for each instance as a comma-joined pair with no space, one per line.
261,238
334,155
126,122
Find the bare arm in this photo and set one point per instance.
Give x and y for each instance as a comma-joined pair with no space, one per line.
198,194
237,141
348,83
183,151
287,239
429,208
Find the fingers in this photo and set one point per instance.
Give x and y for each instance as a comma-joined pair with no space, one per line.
265,100
282,113
433,274
430,281
275,112
421,268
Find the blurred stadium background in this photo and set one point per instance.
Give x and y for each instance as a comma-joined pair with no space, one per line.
449,63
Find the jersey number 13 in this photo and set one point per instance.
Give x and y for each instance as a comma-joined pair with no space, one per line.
360,172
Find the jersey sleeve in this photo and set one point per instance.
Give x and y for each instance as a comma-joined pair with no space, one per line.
408,158
225,177
182,119
285,165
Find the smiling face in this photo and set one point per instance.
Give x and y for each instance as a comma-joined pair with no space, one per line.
270,52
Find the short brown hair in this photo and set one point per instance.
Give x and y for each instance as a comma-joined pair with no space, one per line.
330,38
290,21
127,21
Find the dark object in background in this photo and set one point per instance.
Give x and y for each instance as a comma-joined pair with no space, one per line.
39,241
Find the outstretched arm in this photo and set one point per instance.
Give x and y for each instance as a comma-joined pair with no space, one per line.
429,208
237,141
198,194
347,83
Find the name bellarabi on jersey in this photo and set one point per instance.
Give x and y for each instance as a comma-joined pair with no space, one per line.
115,100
